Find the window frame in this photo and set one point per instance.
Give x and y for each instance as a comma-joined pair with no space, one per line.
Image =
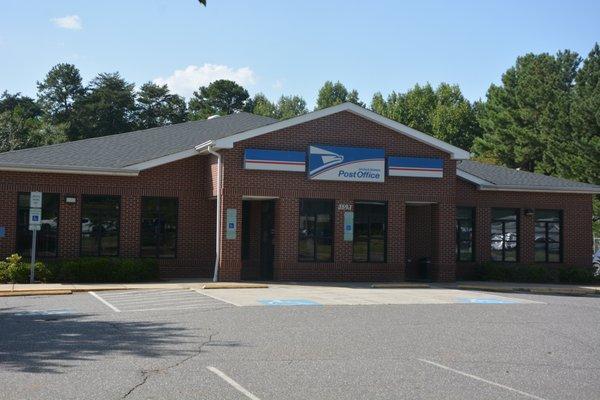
18,226
83,197
473,233
157,253
314,236
560,237
517,221
384,204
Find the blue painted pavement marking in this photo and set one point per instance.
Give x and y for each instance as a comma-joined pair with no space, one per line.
288,302
487,301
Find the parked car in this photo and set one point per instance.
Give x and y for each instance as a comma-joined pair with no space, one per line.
596,263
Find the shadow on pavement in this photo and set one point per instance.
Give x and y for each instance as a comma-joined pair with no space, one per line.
37,342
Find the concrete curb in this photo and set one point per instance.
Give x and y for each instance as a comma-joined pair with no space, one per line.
534,290
34,293
401,285
233,285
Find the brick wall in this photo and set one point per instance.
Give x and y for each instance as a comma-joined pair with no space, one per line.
577,223
185,179
342,129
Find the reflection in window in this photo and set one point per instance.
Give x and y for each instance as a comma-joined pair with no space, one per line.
315,242
465,222
159,227
504,234
47,237
370,221
548,243
100,225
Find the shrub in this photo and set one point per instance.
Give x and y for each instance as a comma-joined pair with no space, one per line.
533,273
14,270
105,270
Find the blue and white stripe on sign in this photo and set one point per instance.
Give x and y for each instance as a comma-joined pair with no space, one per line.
416,167
275,160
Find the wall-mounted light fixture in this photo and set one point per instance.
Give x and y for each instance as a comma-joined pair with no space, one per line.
70,199
529,212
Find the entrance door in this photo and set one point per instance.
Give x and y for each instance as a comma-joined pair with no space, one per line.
267,232
419,243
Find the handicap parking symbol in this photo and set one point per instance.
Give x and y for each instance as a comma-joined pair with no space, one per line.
488,301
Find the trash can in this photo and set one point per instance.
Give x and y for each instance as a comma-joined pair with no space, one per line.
424,264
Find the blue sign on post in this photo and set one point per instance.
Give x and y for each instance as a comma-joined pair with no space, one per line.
353,164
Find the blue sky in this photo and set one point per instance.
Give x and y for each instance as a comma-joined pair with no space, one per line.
285,47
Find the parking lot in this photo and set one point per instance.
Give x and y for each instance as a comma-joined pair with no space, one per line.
299,342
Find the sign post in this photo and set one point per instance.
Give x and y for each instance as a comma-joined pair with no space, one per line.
35,224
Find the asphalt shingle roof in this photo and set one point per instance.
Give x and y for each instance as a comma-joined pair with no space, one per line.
508,177
122,150
116,152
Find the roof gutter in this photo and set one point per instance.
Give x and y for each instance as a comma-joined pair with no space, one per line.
543,189
210,149
52,169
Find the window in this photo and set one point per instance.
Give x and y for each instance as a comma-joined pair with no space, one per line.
548,243
159,227
47,237
370,232
465,224
505,225
100,225
315,242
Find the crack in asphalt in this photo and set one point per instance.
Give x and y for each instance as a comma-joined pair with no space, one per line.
146,374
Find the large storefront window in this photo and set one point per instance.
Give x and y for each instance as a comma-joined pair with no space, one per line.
315,241
465,225
370,221
159,227
47,237
548,243
100,225
505,225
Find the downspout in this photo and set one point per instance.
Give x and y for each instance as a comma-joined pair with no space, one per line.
219,190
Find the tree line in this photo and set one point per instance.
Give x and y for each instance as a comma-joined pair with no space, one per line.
544,115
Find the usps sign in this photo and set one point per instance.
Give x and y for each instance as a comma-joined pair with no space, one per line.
351,164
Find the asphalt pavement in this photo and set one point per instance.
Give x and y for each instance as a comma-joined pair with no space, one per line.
188,347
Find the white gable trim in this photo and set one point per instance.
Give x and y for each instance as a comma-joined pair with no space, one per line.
162,160
455,152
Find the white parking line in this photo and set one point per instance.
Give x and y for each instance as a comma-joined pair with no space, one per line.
531,396
233,383
115,309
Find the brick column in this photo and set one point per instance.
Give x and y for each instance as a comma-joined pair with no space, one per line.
286,236
526,237
396,248
69,228
444,235
230,268
342,250
482,238
130,226
8,219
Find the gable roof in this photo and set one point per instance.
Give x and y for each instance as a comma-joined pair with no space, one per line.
129,153
228,141
495,177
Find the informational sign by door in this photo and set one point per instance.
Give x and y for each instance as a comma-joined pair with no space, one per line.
348,226
231,223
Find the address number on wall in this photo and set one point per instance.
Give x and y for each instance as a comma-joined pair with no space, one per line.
344,207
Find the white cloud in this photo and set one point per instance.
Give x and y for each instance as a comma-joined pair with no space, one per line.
68,22
186,81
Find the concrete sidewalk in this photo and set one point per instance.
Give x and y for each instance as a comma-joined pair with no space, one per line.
534,288
25,289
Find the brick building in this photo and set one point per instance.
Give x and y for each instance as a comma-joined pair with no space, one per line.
336,194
